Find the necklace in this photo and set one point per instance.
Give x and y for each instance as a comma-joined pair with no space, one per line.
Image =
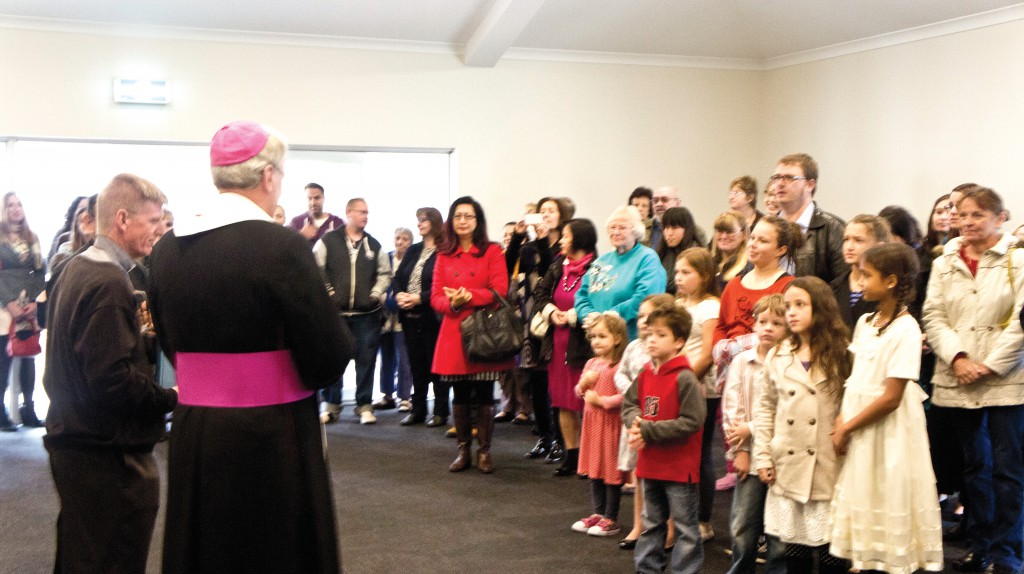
565,283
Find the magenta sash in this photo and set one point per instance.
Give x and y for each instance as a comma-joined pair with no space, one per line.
238,379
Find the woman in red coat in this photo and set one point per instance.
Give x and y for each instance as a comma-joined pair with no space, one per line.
468,266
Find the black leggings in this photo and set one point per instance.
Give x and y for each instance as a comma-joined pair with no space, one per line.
27,374
605,498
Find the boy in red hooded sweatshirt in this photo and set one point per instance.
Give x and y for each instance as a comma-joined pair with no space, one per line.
664,411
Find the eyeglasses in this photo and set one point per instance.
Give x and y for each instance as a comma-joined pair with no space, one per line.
785,178
421,219
464,216
737,192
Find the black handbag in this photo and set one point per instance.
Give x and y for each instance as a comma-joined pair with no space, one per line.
491,335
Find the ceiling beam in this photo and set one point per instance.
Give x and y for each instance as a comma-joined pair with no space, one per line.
498,31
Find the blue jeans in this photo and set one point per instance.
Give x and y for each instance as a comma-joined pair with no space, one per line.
663,499
746,523
394,360
707,461
366,334
992,438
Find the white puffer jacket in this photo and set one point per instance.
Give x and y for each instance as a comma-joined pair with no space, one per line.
965,314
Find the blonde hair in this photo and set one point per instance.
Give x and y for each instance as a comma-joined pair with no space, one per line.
632,216
248,174
128,192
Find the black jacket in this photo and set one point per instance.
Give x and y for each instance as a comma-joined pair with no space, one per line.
400,283
822,252
841,289
578,351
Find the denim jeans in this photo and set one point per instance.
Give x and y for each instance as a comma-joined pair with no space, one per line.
707,461
394,360
366,334
992,438
746,523
678,500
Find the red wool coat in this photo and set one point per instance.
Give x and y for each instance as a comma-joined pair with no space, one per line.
478,275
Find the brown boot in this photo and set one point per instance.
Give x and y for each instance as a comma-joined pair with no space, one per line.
485,428
463,432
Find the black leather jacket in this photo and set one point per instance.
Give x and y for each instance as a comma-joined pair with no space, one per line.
822,252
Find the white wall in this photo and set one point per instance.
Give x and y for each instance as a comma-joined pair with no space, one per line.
521,130
905,124
895,125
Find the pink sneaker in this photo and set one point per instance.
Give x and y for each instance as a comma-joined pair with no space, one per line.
727,482
604,528
584,524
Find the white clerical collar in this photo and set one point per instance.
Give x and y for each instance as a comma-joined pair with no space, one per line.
224,209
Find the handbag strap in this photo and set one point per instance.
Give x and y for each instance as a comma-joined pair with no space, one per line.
501,301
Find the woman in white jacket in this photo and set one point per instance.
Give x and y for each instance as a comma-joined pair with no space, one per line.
974,294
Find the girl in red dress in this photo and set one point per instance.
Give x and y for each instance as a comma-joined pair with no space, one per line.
602,425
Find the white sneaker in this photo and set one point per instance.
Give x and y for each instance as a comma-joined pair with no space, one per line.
405,406
367,418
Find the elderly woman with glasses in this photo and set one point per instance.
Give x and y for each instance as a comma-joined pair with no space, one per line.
622,278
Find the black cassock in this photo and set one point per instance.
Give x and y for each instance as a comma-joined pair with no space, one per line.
243,313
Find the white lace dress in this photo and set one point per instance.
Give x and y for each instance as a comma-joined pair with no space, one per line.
885,511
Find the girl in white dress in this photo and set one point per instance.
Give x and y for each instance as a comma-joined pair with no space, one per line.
885,511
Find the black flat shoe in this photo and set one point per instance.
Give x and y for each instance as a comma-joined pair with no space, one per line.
627,544
555,454
436,421
503,417
413,420
972,562
521,420
540,449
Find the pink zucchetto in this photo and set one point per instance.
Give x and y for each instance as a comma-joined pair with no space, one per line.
237,142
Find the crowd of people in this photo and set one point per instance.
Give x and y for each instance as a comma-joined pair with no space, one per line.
855,372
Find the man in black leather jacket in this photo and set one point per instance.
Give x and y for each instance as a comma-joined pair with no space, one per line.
794,182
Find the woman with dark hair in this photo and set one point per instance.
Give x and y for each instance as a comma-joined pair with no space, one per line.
939,231
565,349
534,259
412,285
975,292
63,234
21,281
468,271
678,233
902,225
641,199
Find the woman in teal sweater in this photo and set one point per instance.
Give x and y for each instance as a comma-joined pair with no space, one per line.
620,279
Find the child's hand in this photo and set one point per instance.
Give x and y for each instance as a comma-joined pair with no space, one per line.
634,438
741,464
579,390
737,433
767,475
840,439
587,379
592,398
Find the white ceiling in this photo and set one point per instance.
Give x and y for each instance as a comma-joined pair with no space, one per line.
749,33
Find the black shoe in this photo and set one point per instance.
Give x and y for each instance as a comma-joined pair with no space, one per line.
384,404
956,532
503,417
521,420
28,416
627,544
413,420
540,449
436,421
972,562
5,422
555,455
